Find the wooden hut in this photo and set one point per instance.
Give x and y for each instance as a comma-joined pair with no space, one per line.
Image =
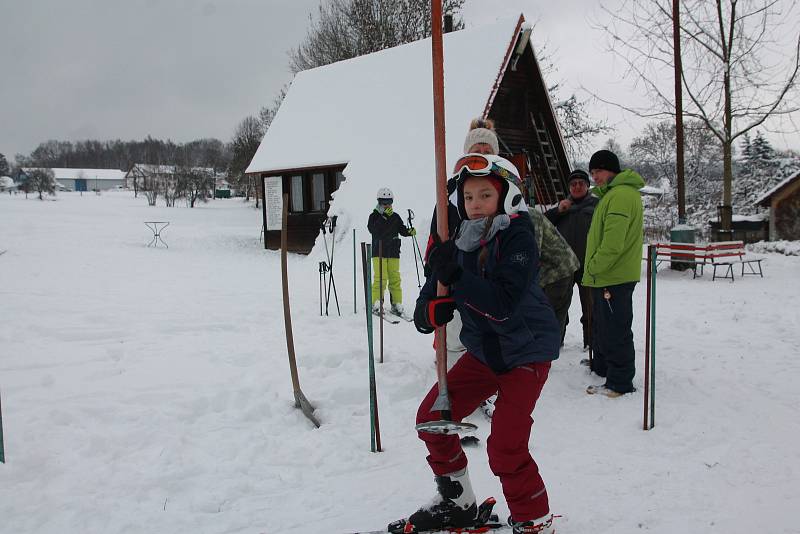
346,129
783,202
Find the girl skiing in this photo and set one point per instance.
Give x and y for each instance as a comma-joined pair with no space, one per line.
385,225
511,336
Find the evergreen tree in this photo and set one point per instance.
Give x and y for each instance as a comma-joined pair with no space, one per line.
763,152
4,169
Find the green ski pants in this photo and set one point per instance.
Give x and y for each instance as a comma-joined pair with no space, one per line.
390,276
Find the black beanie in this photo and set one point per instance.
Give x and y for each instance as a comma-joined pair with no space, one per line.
604,159
579,174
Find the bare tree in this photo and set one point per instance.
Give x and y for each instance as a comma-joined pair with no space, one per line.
42,181
653,154
196,183
267,113
244,145
577,126
345,29
732,74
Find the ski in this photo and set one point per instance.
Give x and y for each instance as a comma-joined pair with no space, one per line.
393,319
406,318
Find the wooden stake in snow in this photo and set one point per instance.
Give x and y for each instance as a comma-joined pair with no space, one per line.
2,447
442,404
300,400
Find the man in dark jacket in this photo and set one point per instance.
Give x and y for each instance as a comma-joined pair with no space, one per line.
573,217
385,225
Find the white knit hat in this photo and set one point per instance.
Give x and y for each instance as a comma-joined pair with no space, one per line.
481,135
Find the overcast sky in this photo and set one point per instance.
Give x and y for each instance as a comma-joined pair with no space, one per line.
186,69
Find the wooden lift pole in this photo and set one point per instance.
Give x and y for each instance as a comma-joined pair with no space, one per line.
300,400
446,425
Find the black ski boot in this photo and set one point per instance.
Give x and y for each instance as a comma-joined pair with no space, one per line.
453,507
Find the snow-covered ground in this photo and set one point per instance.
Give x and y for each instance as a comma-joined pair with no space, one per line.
148,390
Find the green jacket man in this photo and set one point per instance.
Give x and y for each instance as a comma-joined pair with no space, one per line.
612,269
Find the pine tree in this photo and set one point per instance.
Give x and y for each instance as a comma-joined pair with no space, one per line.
763,153
4,170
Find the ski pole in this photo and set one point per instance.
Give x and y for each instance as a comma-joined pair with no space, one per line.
414,249
354,272
380,284
321,287
591,332
2,446
331,281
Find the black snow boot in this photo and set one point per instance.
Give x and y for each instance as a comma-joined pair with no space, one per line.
453,506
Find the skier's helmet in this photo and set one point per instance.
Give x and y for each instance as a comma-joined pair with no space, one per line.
489,165
385,195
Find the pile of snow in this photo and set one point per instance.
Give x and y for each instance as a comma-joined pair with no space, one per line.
148,390
787,248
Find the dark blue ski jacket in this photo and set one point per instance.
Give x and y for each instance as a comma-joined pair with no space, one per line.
507,319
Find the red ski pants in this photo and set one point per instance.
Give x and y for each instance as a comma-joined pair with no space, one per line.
469,383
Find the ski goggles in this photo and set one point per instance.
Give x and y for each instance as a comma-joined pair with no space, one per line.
479,165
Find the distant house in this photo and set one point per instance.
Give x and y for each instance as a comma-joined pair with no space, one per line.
7,183
348,128
84,179
783,202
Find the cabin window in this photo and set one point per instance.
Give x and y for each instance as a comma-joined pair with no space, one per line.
297,203
318,197
339,179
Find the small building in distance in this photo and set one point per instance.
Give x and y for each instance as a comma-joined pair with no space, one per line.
783,202
84,179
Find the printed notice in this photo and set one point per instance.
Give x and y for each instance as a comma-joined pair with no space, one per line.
273,191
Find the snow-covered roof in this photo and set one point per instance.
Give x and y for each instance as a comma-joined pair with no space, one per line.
374,113
373,108
764,200
89,174
6,181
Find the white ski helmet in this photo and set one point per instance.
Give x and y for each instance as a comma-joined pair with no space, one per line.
489,165
384,193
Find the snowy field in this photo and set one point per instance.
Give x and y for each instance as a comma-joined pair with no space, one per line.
147,390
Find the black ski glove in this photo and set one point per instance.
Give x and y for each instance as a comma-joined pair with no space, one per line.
431,314
442,261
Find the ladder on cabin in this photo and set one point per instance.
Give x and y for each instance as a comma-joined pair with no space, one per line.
554,175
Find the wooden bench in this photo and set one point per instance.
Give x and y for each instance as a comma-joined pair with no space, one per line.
723,254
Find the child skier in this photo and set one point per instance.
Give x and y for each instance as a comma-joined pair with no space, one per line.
384,225
511,335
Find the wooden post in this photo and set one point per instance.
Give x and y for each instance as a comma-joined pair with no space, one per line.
2,445
442,404
437,50
676,38
300,400
355,300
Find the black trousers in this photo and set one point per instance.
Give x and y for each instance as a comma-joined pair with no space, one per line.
612,339
559,294
586,309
